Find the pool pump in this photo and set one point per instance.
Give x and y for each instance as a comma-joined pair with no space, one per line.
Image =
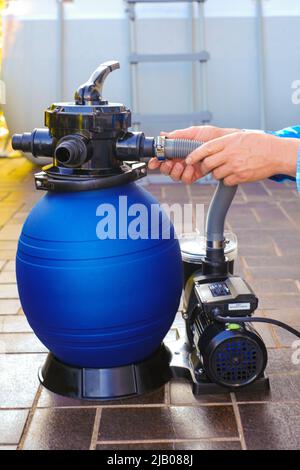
100,295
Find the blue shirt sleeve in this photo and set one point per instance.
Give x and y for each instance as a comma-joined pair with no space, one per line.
293,132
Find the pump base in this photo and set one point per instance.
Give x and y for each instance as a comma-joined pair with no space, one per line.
174,361
107,384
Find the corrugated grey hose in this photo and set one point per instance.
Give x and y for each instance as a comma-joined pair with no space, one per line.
217,212
223,196
179,148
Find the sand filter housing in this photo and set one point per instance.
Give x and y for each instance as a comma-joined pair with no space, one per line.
92,302
95,303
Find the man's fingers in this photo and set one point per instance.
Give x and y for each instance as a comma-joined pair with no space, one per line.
166,167
209,164
231,180
188,176
177,171
222,172
202,133
209,148
188,133
153,164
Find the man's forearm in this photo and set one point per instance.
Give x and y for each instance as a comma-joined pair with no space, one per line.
286,155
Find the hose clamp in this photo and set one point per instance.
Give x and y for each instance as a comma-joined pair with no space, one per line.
160,147
215,244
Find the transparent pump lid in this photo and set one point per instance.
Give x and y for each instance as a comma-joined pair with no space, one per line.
193,247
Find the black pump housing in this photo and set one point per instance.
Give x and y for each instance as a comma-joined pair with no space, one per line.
232,355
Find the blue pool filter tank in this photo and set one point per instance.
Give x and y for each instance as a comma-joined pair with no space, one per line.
95,302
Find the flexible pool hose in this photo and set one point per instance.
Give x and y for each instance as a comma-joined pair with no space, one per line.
181,148
174,148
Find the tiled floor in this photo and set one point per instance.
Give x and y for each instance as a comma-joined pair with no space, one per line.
266,217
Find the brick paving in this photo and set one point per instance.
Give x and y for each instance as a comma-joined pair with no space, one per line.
266,218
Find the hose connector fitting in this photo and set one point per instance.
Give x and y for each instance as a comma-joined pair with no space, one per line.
39,142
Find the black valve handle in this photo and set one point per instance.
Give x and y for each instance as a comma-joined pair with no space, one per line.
90,92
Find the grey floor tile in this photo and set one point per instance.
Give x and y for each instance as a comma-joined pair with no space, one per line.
167,423
19,379
181,393
57,429
21,343
12,423
9,307
283,388
271,426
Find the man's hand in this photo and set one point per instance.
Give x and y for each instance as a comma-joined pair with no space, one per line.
180,170
246,156
232,155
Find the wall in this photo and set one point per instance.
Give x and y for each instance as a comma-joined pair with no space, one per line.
97,30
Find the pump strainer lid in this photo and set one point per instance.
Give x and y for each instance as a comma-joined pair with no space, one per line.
193,247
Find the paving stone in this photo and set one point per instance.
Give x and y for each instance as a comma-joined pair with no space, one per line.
267,333
10,232
10,266
284,388
9,307
137,446
285,338
167,423
5,215
256,250
280,302
60,429
19,379
198,445
7,245
273,261
12,423
21,343
181,394
287,315
8,254
14,324
283,361
208,445
254,191
271,426
267,286
8,277
8,291
284,272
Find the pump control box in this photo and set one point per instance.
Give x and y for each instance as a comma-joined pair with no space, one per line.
230,296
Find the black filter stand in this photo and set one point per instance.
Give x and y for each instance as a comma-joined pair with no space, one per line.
173,361
110,383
